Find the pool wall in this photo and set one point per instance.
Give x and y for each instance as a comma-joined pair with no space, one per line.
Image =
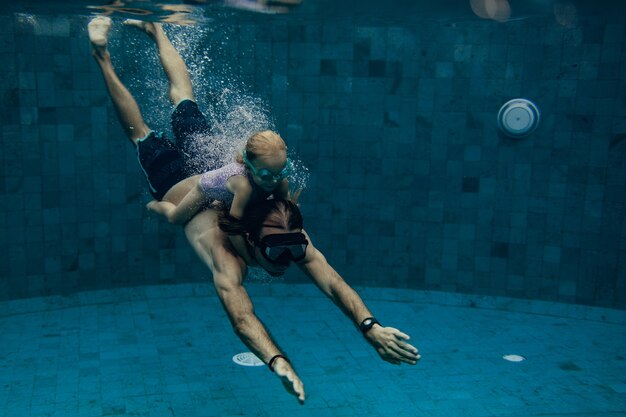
411,185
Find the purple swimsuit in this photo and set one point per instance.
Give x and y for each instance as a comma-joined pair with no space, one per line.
213,183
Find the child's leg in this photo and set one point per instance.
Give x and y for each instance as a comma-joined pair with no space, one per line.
173,64
125,105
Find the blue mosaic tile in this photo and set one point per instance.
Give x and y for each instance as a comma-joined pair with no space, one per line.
403,100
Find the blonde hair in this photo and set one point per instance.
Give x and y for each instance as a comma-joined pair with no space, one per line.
266,142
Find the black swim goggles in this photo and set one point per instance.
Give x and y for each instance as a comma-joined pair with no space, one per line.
283,247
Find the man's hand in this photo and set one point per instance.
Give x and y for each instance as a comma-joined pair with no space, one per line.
391,345
290,379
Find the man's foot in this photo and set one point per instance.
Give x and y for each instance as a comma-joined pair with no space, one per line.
98,30
149,27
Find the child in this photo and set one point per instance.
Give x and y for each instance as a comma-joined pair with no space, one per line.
260,171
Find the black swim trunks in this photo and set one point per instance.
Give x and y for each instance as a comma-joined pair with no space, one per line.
165,163
192,134
161,162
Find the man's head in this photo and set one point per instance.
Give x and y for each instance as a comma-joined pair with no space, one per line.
274,231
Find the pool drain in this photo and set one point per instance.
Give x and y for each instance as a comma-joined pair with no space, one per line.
247,359
518,117
514,358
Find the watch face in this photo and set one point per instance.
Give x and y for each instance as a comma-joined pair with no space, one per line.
367,324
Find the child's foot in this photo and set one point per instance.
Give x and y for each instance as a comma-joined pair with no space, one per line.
149,27
98,30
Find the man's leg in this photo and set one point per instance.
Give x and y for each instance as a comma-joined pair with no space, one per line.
172,62
125,105
190,127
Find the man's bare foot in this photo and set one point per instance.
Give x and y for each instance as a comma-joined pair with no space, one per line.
98,29
149,27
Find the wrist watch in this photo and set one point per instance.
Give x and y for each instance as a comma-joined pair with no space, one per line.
366,324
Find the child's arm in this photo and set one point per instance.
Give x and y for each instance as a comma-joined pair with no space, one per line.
185,210
282,190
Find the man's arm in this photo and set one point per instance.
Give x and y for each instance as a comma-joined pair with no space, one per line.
390,343
227,278
242,191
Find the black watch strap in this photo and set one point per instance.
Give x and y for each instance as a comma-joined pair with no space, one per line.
366,324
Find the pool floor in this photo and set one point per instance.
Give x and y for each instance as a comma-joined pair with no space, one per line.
167,351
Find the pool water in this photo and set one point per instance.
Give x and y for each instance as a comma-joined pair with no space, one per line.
480,246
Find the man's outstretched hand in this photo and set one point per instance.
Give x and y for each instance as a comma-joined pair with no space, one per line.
391,345
290,379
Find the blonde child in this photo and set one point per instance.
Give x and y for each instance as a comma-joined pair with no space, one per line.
259,171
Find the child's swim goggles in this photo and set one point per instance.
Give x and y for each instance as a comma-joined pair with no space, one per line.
283,247
265,174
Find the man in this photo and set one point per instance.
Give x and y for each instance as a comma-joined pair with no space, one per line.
275,218
273,229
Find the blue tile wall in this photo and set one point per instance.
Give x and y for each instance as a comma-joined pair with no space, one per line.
411,184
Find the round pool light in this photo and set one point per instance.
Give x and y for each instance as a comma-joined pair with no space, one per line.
518,117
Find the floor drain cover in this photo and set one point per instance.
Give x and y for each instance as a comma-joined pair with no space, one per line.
513,358
247,359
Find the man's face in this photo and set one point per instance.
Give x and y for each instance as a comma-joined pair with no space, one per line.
273,268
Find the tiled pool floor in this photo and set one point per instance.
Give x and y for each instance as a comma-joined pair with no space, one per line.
167,351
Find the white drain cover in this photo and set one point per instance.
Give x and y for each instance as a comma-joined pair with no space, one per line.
247,359
513,358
